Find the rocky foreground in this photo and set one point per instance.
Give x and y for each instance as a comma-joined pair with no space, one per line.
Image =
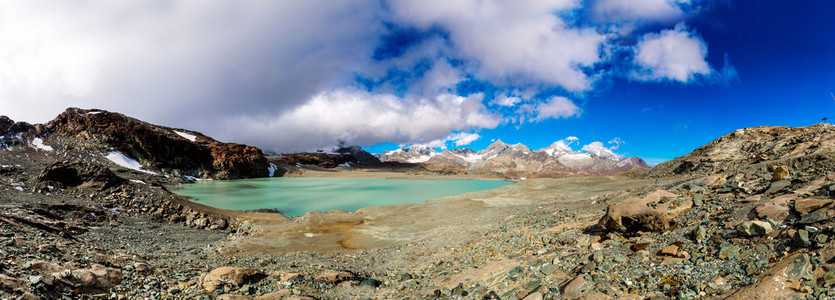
748,216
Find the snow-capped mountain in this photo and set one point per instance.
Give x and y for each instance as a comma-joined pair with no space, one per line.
516,161
410,154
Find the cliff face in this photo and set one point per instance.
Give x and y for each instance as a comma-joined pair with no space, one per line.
158,147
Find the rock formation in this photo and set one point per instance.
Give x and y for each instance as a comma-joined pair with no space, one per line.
178,151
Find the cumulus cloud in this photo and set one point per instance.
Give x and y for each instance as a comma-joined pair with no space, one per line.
597,148
513,42
671,55
634,12
366,119
554,108
157,60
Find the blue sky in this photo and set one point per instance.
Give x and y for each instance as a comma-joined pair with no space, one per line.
662,77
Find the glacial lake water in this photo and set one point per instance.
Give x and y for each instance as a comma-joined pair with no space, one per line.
294,196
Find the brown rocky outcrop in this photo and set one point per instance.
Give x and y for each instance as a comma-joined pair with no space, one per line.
159,147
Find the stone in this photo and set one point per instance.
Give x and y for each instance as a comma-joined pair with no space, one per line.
801,239
576,288
813,217
233,276
142,267
777,186
771,210
780,173
548,269
699,233
806,205
653,212
754,228
534,296
334,277
95,279
728,251
670,250
639,246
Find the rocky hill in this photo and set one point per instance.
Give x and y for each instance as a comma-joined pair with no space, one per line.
129,141
519,161
749,149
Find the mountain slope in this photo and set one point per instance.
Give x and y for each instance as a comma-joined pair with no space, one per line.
139,145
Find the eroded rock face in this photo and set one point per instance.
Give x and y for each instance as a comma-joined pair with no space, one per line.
653,212
161,148
74,174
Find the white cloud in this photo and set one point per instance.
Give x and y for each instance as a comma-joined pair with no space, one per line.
617,143
675,55
554,108
158,60
512,42
504,100
459,139
367,119
597,148
636,10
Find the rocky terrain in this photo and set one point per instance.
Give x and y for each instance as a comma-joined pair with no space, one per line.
518,161
747,216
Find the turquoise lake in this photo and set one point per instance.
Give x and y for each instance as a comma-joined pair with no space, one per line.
294,196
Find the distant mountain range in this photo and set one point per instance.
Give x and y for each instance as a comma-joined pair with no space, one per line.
519,161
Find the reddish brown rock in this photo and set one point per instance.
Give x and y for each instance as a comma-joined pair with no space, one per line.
159,147
806,205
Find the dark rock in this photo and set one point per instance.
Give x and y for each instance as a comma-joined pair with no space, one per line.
370,282
777,186
74,174
359,154
801,239
813,217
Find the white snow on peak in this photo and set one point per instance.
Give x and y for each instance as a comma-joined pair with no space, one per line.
187,136
422,158
93,112
122,160
38,143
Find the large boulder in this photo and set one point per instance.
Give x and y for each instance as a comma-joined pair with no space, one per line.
74,174
96,279
232,276
158,147
653,212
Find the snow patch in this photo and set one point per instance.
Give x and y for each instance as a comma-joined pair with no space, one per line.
137,181
126,162
187,136
38,143
18,188
346,164
271,169
93,113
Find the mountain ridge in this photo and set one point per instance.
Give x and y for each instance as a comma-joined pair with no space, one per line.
518,160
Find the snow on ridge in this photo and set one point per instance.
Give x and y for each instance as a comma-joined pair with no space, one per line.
272,169
38,143
187,136
124,161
